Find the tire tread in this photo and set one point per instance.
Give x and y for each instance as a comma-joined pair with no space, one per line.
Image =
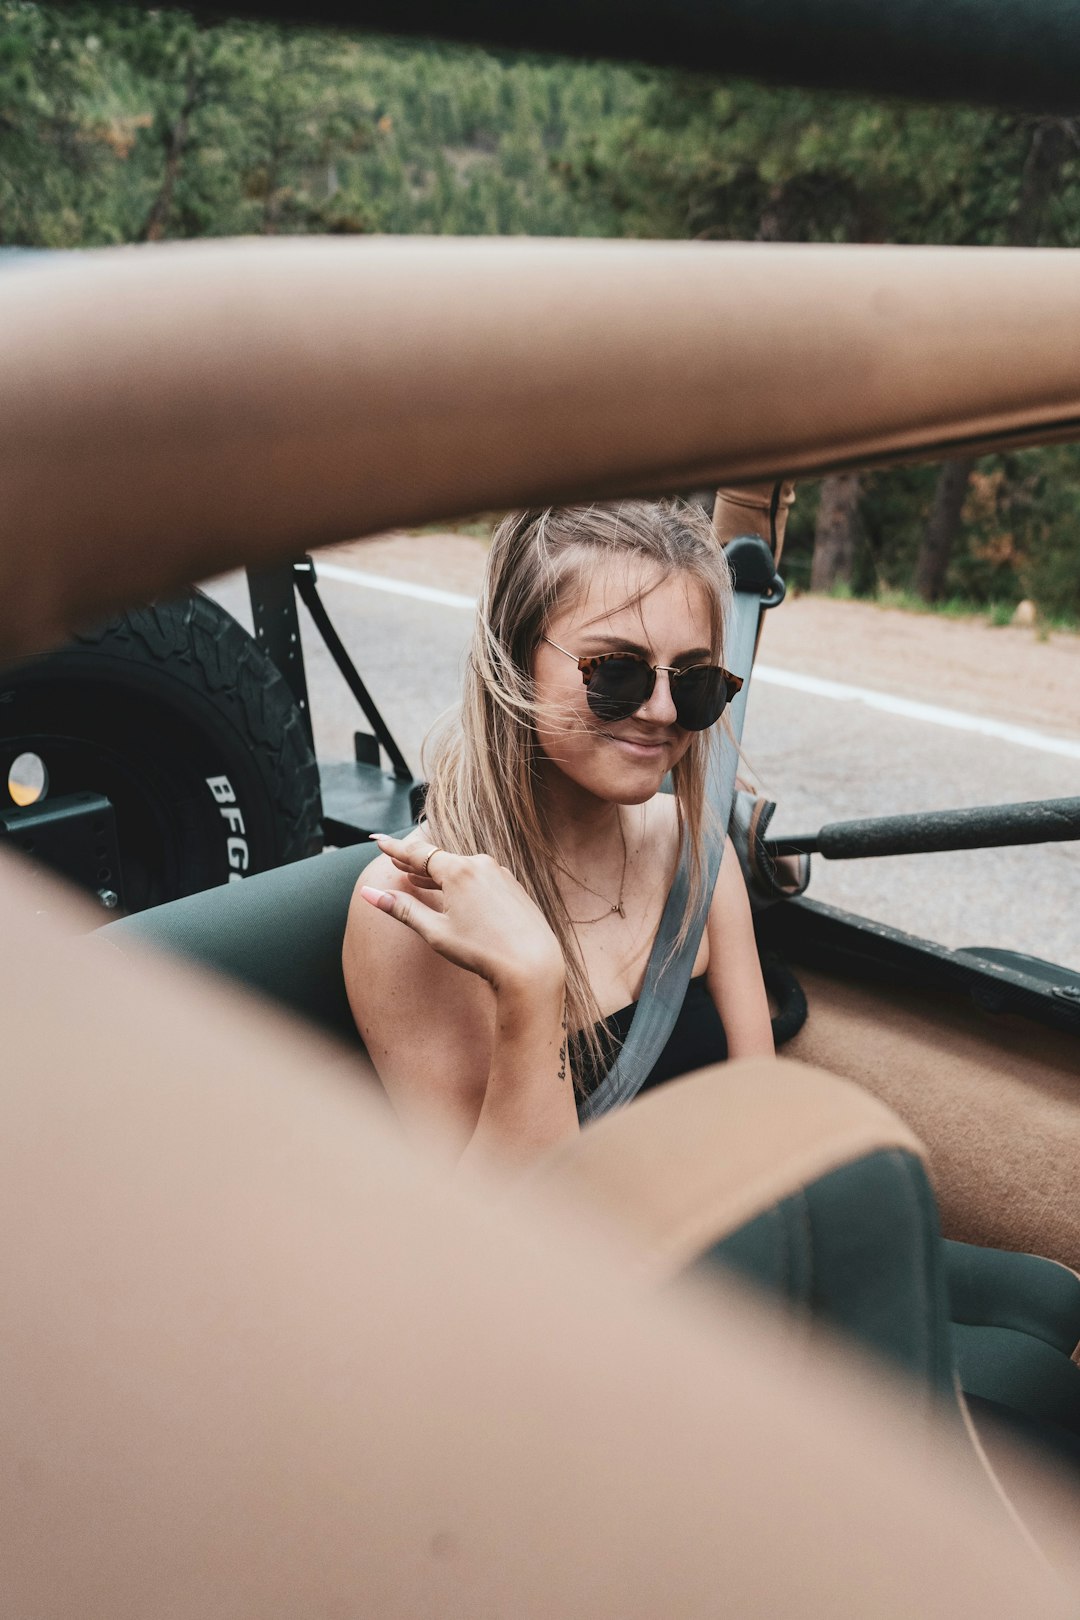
220,659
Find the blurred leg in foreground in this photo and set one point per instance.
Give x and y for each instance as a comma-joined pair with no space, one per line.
260,1359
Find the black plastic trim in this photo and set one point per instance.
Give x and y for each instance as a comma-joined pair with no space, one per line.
835,941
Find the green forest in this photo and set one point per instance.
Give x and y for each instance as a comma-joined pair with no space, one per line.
119,126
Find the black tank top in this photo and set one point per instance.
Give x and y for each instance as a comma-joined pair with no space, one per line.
696,1040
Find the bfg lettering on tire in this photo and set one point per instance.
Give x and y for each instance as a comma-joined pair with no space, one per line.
236,845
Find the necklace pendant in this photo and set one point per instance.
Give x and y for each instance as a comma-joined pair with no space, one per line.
619,908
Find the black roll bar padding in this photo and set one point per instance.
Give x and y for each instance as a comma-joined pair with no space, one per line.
987,826
754,577
751,563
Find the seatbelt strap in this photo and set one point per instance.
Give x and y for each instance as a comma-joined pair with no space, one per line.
666,978
670,965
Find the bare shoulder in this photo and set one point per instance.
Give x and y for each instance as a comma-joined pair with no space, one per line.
384,959
735,981
424,1021
370,935
729,896
729,913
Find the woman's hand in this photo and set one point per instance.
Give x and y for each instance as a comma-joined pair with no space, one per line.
487,923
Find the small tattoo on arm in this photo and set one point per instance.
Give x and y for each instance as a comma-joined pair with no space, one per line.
562,1051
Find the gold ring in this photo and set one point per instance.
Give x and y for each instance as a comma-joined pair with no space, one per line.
427,863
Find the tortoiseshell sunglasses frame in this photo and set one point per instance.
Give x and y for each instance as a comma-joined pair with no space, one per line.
589,666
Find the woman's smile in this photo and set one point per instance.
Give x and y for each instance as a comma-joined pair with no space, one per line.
643,748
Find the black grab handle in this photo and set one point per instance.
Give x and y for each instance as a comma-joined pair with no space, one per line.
987,826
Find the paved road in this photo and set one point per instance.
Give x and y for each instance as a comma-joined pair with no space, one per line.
819,758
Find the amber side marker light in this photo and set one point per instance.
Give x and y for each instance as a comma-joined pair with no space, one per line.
28,780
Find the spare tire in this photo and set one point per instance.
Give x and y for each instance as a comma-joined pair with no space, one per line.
182,722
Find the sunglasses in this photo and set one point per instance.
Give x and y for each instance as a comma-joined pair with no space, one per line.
617,684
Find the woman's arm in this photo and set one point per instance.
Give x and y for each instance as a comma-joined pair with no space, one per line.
734,973
462,1008
529,1102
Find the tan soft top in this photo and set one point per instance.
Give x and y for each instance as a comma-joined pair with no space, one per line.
168,411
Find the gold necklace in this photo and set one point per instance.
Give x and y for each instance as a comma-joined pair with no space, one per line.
612,910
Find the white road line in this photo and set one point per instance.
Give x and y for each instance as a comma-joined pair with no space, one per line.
1022,736
395,587
929,713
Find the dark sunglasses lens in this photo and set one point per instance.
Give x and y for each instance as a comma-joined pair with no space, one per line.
618,687
701,696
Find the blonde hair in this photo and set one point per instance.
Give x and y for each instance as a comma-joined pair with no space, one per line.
482,761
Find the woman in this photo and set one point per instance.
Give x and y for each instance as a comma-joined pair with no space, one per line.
527,906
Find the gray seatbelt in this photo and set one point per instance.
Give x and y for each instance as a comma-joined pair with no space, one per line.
668,972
